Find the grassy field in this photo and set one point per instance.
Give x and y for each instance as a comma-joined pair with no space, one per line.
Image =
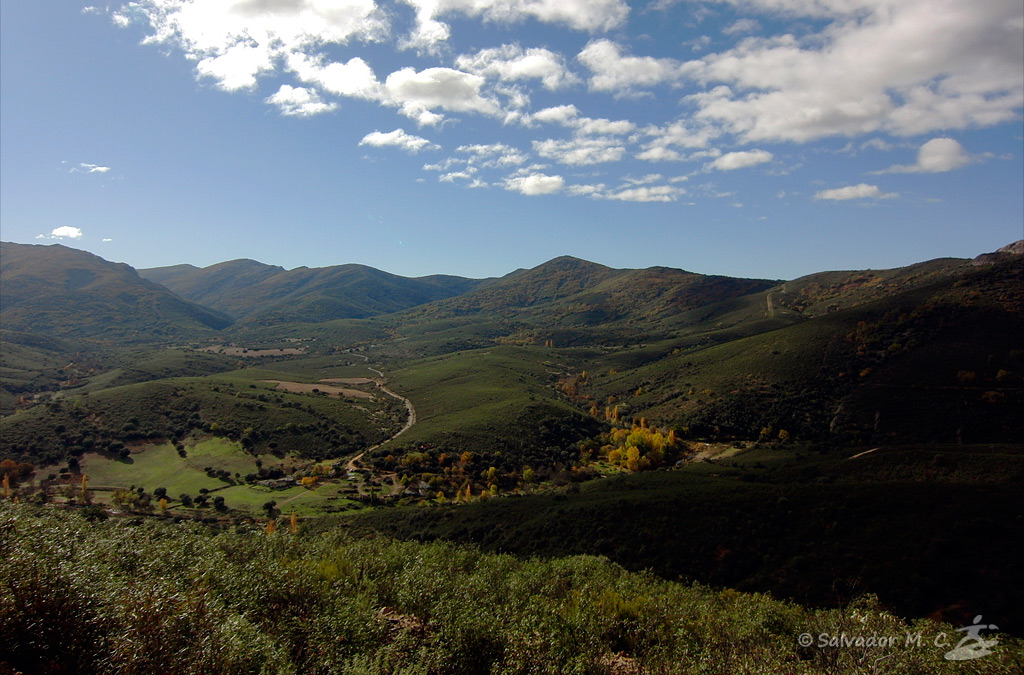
301,501
157,466
153,467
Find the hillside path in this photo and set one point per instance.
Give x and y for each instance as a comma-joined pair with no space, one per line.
353,463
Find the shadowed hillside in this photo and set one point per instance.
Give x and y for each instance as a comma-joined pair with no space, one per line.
59,291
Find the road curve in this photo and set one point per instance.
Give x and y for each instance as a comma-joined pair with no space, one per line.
410,420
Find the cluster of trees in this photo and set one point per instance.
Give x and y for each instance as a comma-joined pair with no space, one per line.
63,429
14,472
637,448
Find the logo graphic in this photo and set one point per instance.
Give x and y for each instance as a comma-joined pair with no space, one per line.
972,645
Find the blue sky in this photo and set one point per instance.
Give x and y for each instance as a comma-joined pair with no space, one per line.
760,138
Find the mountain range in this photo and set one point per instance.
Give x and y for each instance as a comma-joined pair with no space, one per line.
873,406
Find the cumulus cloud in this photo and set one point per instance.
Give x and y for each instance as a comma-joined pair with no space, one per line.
861,191
585,15
398,139
667,143
62,232
234,42
299,101
562,114
653,193
581,150
511,63
531,183
419,93
902,66
354,78
741,160
643,189
623,75
936,156
493,155
869,68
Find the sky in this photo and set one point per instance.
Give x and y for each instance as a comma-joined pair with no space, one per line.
753,138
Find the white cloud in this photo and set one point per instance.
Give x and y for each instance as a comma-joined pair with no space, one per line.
585,15
62,232
622,75
107,239
299,101
667,141
83,167
563,114
534,183
419,93
653,193
237,67
493,155
511,63
581,150
741,160
902,66
876,144
354,78
861,191
236,41
398,139
699,44
936,156
742,26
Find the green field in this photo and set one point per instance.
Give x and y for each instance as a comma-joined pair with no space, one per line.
154,467
157,466
301,501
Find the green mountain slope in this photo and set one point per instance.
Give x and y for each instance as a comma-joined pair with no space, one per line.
59,291
568,301
939,362
265,294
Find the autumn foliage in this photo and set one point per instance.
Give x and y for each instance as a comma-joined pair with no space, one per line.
640,447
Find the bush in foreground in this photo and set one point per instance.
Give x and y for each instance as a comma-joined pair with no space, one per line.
134,596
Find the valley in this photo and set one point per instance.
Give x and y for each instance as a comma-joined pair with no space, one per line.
824,439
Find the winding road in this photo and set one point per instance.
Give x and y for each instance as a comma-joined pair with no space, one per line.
353,463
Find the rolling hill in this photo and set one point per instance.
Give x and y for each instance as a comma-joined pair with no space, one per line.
63,292
771,389
265,294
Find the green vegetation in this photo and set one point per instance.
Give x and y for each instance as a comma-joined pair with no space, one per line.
128,596
930,529
269,295
237,407
689,426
